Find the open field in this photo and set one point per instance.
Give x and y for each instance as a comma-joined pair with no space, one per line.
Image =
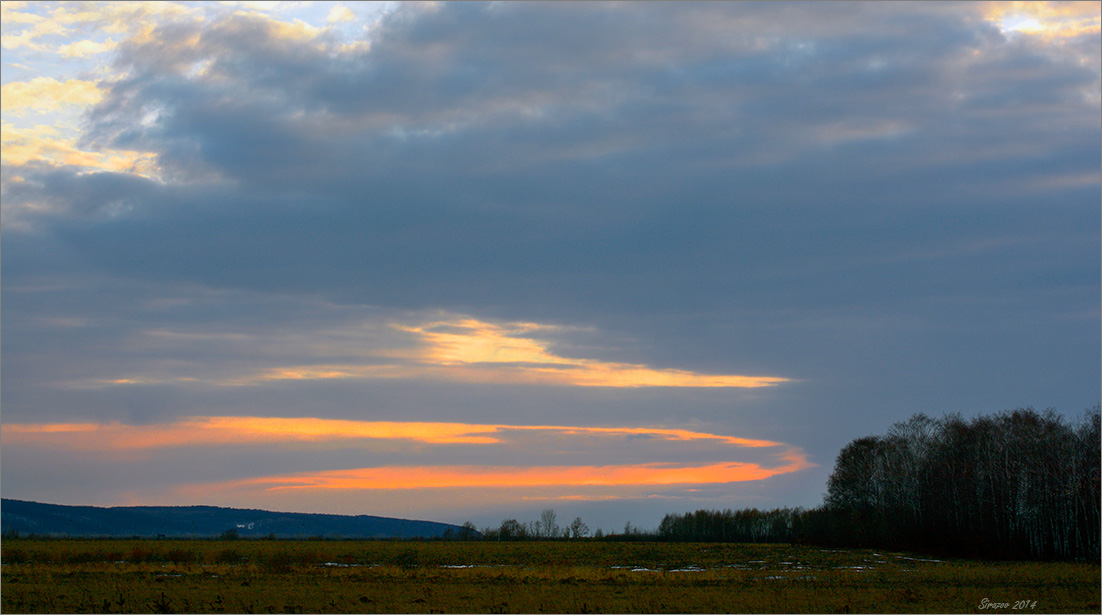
201,576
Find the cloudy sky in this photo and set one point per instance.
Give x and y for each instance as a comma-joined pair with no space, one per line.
470,261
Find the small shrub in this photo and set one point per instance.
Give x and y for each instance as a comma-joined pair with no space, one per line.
308,557
141,554
228,556
16,556
407,559
179,556
278,562
162,605
283,561
83,557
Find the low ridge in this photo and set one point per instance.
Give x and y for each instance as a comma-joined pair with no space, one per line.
26,517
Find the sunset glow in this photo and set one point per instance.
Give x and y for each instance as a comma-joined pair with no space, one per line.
230,430
770,458
468,350
1051,20
220,431
440,477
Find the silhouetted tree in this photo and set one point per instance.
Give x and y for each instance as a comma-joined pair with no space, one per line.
511,529
467,531
578,528
547,527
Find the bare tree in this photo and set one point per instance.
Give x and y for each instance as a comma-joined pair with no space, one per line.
578,528
468,531
547,526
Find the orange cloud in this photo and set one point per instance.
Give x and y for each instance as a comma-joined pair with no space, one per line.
46,143
756,459
1048,20
48,94
232,430
85,48
430,477
340,13
461,349
467,349
243,430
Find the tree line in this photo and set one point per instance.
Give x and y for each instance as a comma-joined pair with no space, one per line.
544,528
1021,484
1017,484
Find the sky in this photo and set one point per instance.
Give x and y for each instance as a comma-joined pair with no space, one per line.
473,261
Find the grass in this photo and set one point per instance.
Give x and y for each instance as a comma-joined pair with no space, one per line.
165,576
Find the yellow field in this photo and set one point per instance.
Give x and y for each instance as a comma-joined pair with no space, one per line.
246,576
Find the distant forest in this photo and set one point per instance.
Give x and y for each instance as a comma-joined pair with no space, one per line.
1021,484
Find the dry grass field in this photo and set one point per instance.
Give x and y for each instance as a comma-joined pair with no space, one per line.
259,576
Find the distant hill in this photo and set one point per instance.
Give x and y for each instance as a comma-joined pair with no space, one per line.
202,521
